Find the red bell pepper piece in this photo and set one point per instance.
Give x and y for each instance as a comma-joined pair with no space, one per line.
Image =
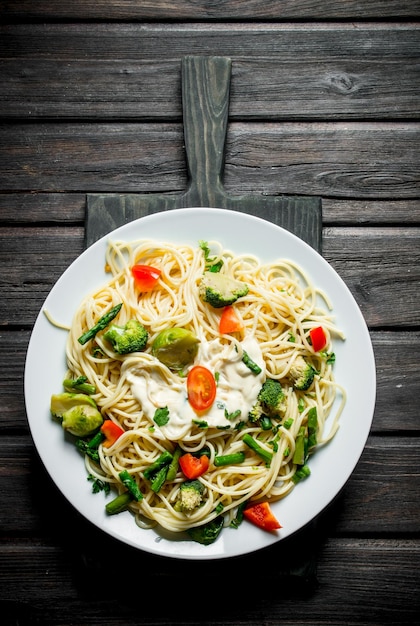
261,515
112,432
194,466
318,338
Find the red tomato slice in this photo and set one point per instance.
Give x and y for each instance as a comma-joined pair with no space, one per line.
201,388
193,466
145,276
318,338
261,515
229,321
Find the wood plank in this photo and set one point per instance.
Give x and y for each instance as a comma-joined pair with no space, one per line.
42,208
54,584
69,208
342,160
398,381
377,264
279,71
190,9
137,42
386,271
262,88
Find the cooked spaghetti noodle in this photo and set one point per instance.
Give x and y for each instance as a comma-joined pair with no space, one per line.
280,308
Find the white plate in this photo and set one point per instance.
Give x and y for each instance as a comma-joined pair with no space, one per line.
354,369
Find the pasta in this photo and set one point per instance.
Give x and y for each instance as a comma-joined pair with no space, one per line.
277,313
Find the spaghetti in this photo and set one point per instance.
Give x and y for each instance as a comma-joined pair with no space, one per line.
281,307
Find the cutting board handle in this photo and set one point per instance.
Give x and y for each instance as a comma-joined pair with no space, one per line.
205,99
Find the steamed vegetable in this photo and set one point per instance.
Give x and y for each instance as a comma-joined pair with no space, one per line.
100,324
129,338
77,413
220,290
175,347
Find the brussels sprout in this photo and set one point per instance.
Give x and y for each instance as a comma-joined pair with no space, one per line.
175,347
62,402
82,420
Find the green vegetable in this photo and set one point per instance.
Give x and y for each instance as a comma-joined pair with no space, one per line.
119,504
211,264
161,416
302,374
220,290
254,367
77,413
79,384
100,324
130,482
91,447
271,402
99,485
208,533
190,496
82,420
62,402
164,459
175,347
129,338
301,473
238,519
312,427
299,453
255,446
159,478
174,464
229,459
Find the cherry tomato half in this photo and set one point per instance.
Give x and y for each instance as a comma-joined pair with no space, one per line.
201,388
145,276
229,321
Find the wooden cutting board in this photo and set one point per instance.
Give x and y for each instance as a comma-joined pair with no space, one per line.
205,98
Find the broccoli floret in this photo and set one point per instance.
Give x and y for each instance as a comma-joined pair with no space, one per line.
220,290
190,496
129,338
271,401
302,374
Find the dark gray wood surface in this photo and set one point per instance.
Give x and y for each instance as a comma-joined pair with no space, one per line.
324,102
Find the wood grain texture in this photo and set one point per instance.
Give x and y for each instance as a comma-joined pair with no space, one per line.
292,73
20,208
68,585
345,160
239,10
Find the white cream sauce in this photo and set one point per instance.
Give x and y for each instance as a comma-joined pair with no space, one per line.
237,388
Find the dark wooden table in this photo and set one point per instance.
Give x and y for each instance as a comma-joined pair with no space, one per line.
324,102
